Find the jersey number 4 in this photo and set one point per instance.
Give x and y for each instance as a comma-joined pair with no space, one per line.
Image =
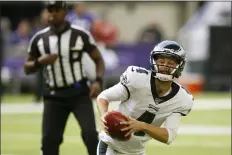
146,117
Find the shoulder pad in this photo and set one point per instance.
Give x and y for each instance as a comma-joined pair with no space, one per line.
188,102
134,76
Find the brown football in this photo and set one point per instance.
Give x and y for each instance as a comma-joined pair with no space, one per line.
113,120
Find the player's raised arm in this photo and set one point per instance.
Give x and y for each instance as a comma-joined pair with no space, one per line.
119,92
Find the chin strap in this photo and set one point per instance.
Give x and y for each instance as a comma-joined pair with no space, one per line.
164,77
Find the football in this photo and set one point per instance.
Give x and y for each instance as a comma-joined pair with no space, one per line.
113,120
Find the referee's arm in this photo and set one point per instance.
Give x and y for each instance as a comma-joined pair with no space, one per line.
35,60
32,63
33,54
94,53
100,66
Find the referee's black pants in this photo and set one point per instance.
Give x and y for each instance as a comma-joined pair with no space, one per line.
55,115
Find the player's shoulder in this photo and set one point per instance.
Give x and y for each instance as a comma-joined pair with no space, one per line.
40,33
135,75
84,33
75,27
137,72
184,100
185,96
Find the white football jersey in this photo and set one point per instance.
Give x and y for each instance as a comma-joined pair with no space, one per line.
144,105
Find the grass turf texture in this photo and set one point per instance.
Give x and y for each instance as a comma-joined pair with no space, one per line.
21,134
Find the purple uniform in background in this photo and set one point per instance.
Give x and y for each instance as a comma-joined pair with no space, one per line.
85,20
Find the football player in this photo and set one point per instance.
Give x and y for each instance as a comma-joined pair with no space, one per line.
149,98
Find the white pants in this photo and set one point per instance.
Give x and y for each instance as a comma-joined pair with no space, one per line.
104,149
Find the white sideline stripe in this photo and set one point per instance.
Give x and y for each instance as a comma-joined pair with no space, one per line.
204,130
193,144
200,104
74,139
183,130
206,104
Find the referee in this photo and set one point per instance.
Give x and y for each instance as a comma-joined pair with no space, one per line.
58,50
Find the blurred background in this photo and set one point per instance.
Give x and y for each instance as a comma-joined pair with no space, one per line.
125,32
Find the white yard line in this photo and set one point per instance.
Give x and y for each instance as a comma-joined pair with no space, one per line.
184,130
204,130
210,144
217,104
21,108
200,104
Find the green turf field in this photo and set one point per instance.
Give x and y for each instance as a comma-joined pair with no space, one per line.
21,134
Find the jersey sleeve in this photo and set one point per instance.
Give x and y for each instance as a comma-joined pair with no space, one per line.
120,91
172,124
115,93
187,105
127,80
33,48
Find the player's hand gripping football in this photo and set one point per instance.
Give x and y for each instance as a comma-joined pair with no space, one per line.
103,123
133,125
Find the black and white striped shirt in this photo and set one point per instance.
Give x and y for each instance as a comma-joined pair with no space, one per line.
69,45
